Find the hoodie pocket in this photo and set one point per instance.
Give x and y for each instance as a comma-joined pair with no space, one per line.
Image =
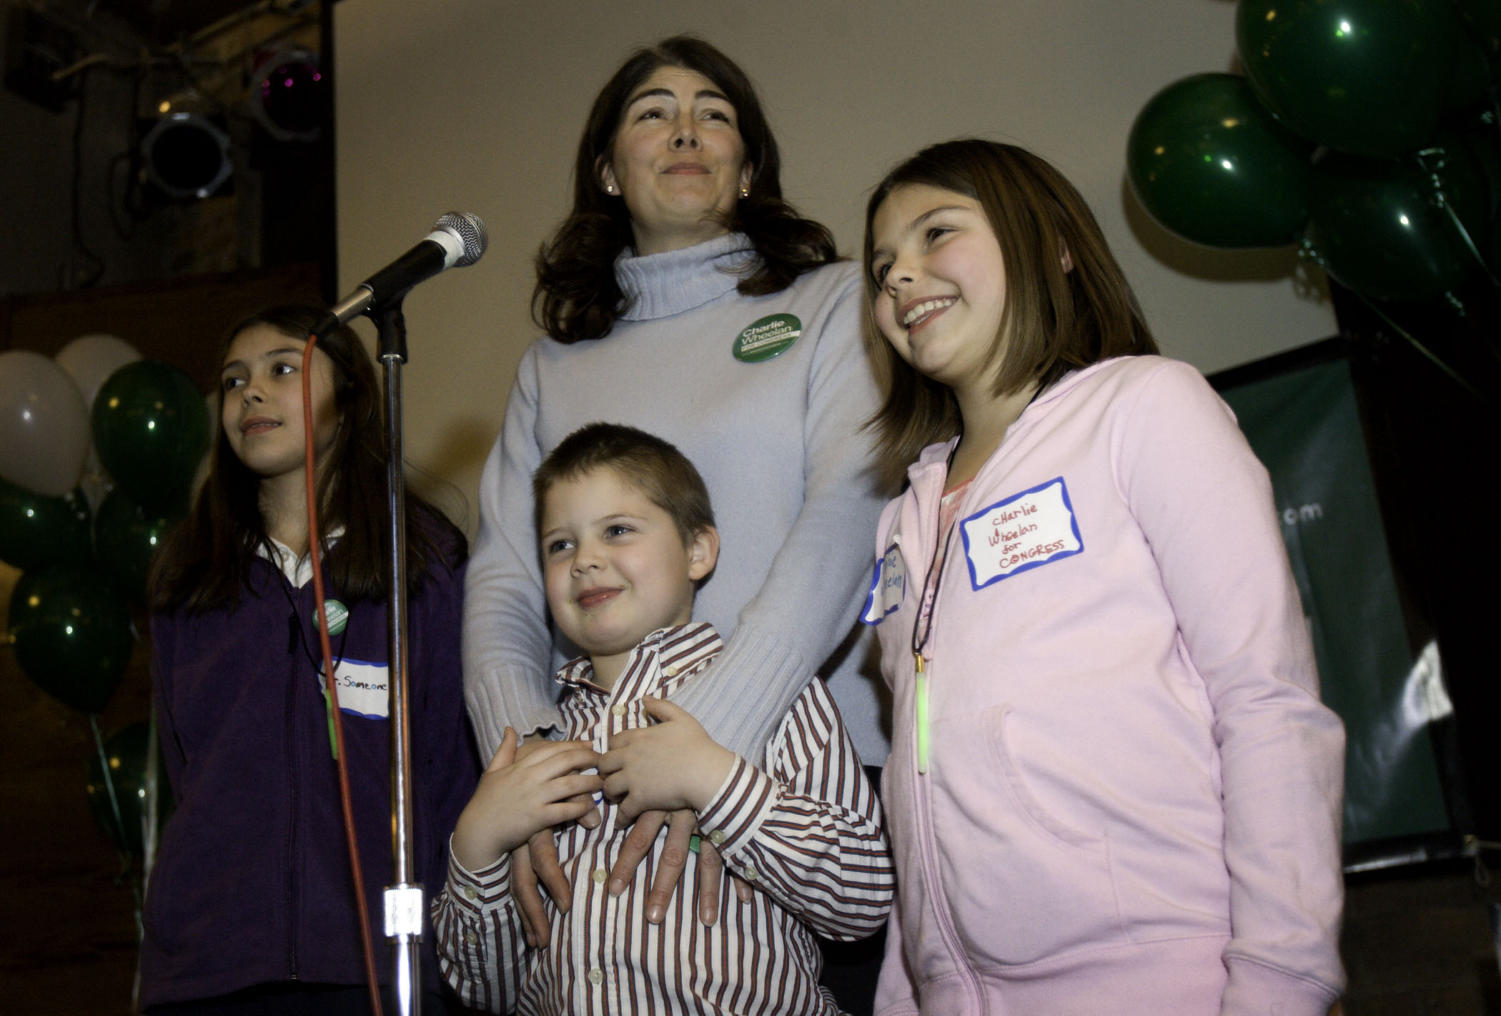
1023,884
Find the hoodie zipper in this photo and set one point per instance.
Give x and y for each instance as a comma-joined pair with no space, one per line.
922,678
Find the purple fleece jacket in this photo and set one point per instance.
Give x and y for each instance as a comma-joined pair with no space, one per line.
252,881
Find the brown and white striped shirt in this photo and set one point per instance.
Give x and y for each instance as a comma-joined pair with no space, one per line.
805,831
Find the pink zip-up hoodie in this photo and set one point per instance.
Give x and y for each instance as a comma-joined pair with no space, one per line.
1127,796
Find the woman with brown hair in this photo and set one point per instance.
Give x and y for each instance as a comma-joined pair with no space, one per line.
685,297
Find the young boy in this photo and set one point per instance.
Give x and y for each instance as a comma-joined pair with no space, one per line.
626,534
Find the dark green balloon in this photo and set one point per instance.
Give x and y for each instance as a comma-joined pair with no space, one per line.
1467,72
37,530
1492,249
126,754
1462,160
1381,227
1478,145
151,428
1361,76
126,537
1481,16
71,634
1210,164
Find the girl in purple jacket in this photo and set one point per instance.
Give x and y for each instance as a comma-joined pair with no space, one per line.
251,906
1112,786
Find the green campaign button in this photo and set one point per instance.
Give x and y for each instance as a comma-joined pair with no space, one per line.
338,616
768,337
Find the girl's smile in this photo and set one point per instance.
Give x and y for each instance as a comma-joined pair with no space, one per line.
918,313
257,425
941,281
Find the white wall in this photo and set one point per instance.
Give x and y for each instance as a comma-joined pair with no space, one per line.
477,105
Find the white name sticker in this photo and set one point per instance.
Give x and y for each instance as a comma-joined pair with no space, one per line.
1025,531
887,588
363,688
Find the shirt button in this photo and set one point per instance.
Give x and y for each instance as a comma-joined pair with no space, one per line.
749,874
600,875
470,938
669,671
618,710
716,837
469,893
596,977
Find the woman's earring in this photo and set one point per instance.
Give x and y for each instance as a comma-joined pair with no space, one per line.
745,192
609,188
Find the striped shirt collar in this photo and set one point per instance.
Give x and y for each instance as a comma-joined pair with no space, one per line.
665,654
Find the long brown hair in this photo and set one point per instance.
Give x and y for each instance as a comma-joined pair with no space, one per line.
1056,318
206,558
577,296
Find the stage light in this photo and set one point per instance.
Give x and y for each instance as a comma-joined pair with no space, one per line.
185,154
287,94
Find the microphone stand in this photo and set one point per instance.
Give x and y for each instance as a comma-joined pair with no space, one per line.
403,900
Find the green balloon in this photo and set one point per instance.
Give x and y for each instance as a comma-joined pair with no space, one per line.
71,633
1463,161
126,537
1481,16
1467,72
1383,230
126,754
1477,145
1212,166
1492,248
1361,76
151,428
37,530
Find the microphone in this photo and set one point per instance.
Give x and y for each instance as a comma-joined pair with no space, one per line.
458,239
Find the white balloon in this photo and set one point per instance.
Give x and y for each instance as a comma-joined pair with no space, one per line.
91,359
44,424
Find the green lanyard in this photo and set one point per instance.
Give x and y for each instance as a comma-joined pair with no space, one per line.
922,715
337,612
921,632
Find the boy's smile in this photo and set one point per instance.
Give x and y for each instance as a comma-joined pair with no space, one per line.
615,567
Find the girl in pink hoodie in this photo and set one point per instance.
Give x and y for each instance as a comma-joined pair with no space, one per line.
1112,787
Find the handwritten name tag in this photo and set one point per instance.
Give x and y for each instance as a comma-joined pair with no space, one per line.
887,588
1024,531
363,688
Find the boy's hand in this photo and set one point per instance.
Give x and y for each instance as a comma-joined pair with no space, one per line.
535,868
518,797
670,765
680,750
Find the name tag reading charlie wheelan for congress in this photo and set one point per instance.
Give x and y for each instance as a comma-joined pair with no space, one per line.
1024,531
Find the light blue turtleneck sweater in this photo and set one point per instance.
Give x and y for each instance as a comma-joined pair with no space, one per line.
780,446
